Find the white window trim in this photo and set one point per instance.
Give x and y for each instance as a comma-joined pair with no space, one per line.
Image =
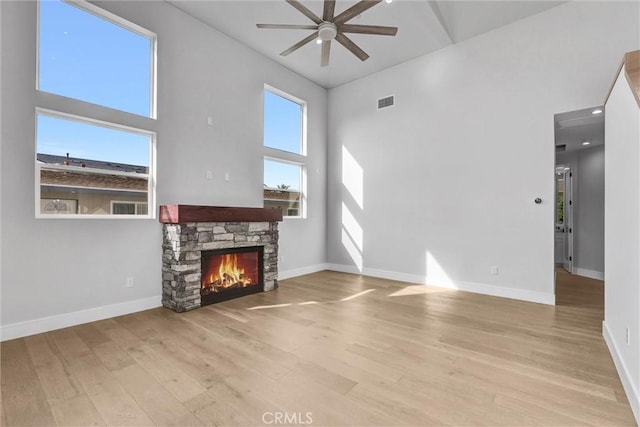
151,189
303,185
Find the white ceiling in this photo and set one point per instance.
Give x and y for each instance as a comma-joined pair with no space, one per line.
424,27
574,127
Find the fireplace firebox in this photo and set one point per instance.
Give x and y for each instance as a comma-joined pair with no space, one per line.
231,273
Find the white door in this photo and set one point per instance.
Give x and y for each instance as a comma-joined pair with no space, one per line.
567,258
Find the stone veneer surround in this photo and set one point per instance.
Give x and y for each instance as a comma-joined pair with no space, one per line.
182,246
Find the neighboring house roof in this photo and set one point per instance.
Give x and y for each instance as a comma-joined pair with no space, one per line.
273,194
51,159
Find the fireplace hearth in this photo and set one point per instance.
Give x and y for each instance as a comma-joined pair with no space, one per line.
212,254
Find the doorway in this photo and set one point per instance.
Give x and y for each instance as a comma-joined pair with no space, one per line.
579,192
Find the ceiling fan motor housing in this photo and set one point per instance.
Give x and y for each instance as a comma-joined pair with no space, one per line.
327,31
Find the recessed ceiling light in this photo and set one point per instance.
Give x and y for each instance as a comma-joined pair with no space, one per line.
318,41
586,142
596,111
388,1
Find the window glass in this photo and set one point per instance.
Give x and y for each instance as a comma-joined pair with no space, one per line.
89,58
282,123
282,187
84,167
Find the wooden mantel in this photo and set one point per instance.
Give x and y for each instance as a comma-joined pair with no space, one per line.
176,214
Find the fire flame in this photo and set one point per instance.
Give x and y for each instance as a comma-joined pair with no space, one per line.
229,273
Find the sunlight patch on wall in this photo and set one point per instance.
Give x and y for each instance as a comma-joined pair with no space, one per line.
352,236
353,177
436,274
350,224
352,250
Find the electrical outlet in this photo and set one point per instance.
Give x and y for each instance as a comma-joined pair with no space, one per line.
209,175
494,270
227,177
210,121
129,282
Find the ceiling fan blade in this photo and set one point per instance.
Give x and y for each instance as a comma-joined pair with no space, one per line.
326,47
306,12
287,27
300,44
329,9
351,46
355,10
369,29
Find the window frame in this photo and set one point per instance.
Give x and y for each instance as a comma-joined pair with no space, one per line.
109,125
303,186
290,157
62,107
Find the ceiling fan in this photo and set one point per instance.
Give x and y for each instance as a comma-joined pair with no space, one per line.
331,27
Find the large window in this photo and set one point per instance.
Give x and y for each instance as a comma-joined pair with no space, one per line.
285,153
97,163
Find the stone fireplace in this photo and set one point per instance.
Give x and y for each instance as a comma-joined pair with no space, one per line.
212,254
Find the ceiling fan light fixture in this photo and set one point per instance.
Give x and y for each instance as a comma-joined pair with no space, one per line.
327,31
333,27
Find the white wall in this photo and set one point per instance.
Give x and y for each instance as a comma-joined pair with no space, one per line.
60,267
622,237
444,181
588,213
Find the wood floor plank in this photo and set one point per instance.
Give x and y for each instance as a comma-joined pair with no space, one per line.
193,357
55,378
113,403
112,356
23,398
76,411
222,404
181,385
157,402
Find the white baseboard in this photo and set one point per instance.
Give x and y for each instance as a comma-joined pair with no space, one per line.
288,274
45,324
591,274
630,389
478,288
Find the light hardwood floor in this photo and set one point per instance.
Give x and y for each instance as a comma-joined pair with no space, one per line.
327,349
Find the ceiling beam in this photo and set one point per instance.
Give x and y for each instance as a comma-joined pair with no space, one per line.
436,23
